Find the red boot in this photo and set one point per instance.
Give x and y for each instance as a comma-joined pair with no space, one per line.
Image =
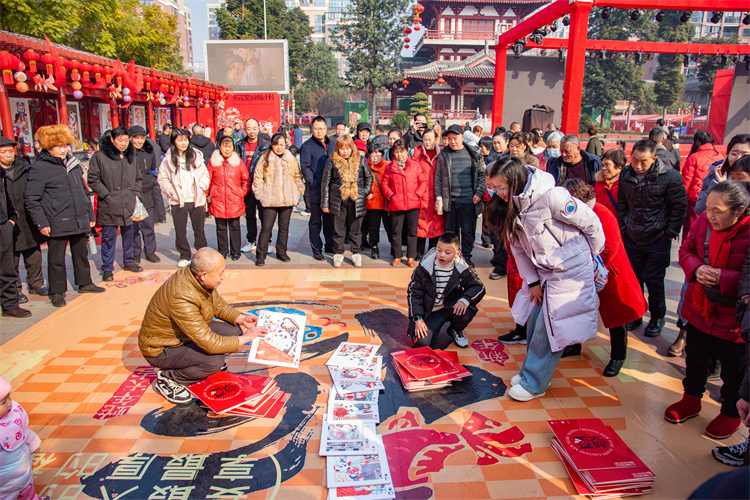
722,426
687,407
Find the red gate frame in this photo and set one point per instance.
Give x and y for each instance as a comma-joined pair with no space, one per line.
578,43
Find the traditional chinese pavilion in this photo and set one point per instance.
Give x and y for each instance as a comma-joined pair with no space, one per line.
44,83
453,62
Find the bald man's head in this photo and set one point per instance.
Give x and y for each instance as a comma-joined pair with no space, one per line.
252,128
208,266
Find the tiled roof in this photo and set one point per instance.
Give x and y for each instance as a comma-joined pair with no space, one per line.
467,67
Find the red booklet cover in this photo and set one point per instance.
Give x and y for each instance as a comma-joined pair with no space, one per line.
583,489
590,444
452,357
424,363
224,391
412,384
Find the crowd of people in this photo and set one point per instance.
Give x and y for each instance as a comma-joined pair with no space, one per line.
570,227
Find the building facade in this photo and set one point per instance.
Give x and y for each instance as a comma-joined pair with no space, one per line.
213,25
324,16
729,26
453,60
184,26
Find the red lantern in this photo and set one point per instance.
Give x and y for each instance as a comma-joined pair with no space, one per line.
406,46
407,30
8,63
86,70
97,70
407,40
48,60
31,56
405,82
74,66
417,19
419,8
417,28
441,80
107,74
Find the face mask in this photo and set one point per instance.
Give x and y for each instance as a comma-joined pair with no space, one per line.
553,153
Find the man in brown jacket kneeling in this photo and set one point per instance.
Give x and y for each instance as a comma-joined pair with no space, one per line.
179,335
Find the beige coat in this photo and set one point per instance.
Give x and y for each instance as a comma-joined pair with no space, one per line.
169,180
277,182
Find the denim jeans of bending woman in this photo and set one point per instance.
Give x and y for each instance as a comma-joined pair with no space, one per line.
540,363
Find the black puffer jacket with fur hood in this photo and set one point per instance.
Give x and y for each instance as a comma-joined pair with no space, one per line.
116,182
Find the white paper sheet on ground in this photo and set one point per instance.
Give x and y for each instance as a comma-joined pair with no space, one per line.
375,492
282,345
332,443
334,395
352,355
370,373
352,410
358,470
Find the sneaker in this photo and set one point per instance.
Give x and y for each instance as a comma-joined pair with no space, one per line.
513,338
338,259
305,213
458,338
22,299
496,276
183,263
107,276
42,290
152,257
518,393
134,269
357,260
249,247
57,300
171,390
515,380
90,288
731,455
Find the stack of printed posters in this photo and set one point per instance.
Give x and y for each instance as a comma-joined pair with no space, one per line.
356,462
424,368
238,394
598,461
282,345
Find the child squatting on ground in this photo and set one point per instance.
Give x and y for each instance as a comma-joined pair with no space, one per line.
443,289
17,443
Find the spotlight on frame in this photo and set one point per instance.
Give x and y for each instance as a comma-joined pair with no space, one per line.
716,17
686,15
635,15
606,12
660,16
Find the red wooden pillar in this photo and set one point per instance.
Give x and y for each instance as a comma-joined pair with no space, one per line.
215,119
176,116
5,115
62,105
498,92
114,113
150,120
575,65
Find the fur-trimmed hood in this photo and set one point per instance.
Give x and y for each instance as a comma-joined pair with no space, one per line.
217,159
108,148
349,171
54,135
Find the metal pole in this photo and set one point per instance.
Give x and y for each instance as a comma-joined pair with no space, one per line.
265,29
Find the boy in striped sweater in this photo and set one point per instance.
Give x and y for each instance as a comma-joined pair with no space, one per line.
443,289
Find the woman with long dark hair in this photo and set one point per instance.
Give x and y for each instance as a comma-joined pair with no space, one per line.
553,237
277,184
738,147
184,180
518,146
702,155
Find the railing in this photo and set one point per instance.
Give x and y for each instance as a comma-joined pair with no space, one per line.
447,114
466,35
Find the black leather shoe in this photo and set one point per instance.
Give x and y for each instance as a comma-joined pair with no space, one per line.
152,257
90,288
572,350
283,257
235,257
107,276
318,256
42,290
57,299
613,367
17,312
134,269
22,299
634,324
375,255
260,262
653,329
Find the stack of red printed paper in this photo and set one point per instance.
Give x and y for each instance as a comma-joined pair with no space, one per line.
424,368
600,464
237,394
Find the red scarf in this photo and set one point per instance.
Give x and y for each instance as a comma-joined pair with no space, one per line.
719,247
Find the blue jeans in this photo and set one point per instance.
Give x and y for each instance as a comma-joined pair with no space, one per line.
540,363
109,242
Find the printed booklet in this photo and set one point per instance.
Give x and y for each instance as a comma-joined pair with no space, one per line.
225,391
359,470
353,437
352,355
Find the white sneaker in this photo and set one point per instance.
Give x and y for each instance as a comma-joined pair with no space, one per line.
249,247
357,260
183,263
518,393
338,259
458,338
515,380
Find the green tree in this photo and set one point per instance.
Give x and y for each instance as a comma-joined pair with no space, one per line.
370,34
243,20
126,29
401,120
322,69
670,82
421,106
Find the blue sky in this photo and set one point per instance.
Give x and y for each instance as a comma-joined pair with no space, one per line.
200,26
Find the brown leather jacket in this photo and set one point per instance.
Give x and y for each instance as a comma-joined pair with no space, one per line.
180,312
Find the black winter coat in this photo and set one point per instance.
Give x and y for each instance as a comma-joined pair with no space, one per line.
652,208
443,175
330,195
313,156
7,209
116,182
204,144
144,159
25,233
164,143
667,158
464,283
56,196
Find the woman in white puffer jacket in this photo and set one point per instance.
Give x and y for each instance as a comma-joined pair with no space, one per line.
553,237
